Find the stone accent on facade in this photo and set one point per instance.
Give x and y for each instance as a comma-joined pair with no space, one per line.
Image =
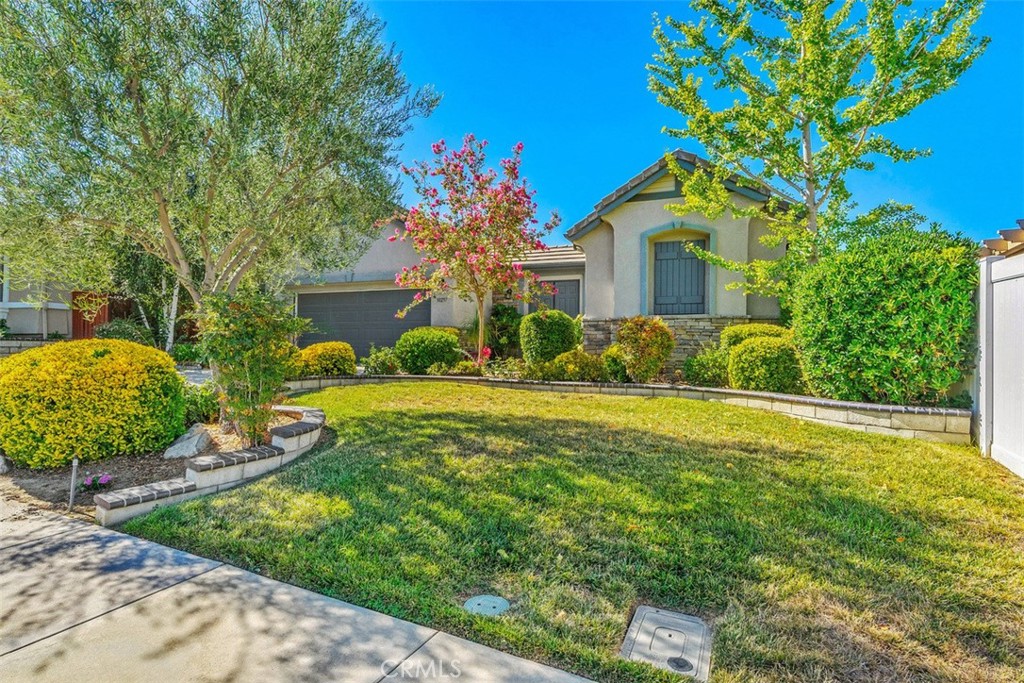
692,332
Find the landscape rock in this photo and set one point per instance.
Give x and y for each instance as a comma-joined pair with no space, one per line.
190,444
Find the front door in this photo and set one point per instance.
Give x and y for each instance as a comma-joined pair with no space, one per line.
679,286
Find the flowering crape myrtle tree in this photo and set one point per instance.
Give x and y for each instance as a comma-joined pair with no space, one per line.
473,228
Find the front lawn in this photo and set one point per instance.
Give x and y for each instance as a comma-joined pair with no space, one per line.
818,554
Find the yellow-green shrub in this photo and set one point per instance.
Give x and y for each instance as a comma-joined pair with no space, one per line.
92,398
734,335
328,359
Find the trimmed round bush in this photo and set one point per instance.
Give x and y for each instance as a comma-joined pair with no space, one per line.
546,334
890,321
578,366
328,359
422,347
93,398
709,368
614,364
737,334
765,364
127,330
646,344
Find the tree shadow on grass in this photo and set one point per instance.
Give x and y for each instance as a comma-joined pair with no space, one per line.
806,572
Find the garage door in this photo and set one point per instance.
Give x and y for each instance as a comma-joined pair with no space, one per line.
360,318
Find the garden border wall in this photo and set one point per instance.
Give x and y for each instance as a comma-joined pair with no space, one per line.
217,472
946,425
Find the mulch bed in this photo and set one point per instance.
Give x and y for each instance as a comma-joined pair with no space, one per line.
49,489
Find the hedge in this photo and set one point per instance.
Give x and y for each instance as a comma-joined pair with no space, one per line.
93,398
737,334
891,321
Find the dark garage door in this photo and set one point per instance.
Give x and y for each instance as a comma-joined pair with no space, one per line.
360,318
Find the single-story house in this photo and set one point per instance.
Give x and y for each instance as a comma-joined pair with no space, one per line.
627,258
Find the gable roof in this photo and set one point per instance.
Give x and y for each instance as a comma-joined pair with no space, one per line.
643,179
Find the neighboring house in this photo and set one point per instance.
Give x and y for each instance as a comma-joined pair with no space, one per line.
27,317
628,258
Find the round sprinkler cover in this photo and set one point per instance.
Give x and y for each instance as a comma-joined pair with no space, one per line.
487,605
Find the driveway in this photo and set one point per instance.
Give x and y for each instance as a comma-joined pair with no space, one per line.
80,602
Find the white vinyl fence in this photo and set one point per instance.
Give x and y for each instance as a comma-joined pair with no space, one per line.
1001,368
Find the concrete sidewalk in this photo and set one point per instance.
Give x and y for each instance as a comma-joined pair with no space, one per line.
83,603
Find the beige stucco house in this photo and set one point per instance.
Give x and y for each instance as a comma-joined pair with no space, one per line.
33,313
627,258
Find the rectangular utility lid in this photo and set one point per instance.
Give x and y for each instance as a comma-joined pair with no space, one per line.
669,640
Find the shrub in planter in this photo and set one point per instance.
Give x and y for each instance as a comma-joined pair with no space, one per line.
543,371
709,368
420,348
578,366
93,398
614,364
502,332
248,338
646,343
889,321
464,368
328,359
202,403
128,330
737,334
545,334
765,364
510,367
381,361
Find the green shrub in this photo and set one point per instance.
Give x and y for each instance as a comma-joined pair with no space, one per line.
645,343
765,364
737,334
509,368
502,331
545,334
189,353
128,330
248,338
615,364
93,398
201,403
709,368
890,321
381,361
578,366
463,368
328,359
543,371
420,348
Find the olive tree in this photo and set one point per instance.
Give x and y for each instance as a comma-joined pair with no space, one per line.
222,137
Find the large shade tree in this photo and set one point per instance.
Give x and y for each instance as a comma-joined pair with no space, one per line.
220,136
789,96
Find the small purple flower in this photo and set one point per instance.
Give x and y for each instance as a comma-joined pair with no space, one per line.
88,481
105,479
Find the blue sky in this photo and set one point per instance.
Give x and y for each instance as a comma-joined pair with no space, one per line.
569,80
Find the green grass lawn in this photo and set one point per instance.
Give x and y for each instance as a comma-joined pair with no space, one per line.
818,554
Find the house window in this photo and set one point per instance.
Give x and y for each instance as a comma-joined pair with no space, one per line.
679,279
567,298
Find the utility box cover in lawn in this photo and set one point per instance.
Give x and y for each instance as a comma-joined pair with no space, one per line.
669,640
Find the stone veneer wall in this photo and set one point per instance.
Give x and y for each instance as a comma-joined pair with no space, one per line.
9,347
691,332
